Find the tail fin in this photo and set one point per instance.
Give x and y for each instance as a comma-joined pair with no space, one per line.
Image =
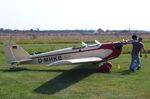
14,53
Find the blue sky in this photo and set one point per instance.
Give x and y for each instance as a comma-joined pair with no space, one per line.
75,14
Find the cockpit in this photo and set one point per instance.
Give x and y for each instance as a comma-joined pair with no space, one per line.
84,45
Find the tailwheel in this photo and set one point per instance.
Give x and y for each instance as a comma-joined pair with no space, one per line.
105,67
13,68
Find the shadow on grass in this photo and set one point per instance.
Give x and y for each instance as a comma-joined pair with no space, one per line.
125,72
16,69
62,81
19,69
66,79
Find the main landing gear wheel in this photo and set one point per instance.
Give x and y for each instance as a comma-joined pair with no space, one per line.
105,67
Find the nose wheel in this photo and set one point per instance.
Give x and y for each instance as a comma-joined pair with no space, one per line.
105,67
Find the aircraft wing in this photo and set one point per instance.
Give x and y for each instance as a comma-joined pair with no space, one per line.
76,61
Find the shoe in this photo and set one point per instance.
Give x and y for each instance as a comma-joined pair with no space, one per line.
138,68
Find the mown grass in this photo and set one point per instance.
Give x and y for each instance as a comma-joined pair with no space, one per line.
73,81
56,43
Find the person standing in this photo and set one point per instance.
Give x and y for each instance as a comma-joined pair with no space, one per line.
138,46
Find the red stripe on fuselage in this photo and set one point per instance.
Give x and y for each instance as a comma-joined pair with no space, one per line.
105,46
79,51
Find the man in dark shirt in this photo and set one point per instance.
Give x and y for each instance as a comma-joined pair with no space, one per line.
136,53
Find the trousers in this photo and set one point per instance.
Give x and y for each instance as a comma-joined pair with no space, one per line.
135,62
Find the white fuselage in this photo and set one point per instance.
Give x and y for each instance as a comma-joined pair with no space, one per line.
70,53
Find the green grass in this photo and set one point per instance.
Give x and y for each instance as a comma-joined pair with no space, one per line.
68,40
73,81
52,44
72,39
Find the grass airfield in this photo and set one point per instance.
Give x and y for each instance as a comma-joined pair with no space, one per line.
73,81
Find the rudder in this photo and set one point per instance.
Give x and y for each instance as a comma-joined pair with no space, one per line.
14,52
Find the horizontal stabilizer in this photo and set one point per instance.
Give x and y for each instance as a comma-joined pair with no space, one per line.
76,61
21,61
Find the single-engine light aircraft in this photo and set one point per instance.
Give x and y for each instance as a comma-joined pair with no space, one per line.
95,53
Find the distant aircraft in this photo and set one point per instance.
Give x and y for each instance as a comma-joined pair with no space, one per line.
95,53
